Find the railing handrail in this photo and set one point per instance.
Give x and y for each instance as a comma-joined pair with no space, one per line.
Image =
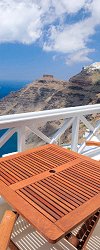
47,115
32,121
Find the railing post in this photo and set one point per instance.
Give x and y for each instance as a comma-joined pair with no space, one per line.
75,132
21,139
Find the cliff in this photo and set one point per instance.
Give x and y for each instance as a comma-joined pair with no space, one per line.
50,93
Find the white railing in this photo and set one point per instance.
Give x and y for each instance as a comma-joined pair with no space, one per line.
33,120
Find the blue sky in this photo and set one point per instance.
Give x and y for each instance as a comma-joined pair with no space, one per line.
48,37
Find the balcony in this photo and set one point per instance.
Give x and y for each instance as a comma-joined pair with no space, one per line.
83,124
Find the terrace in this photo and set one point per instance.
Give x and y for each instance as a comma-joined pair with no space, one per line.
74,118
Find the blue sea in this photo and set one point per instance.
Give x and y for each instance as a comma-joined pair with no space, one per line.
5,88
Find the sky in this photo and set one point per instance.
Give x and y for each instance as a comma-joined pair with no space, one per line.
56,37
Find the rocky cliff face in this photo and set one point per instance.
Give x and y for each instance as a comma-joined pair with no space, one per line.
88,75
50,93
89,81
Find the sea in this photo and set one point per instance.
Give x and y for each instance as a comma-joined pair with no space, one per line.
5,88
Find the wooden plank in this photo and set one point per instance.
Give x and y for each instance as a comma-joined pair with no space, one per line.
54,159
72,153
93,182
89,168
29,181
28,151
72,186
11,172
43,203
77,216
93,143
69,205
27,197
19,168
52,200
76,182
61,197
6,228
48,229
7,177
59,200
67,154
41,176
62,191
55,148
88,173
4,180
34,163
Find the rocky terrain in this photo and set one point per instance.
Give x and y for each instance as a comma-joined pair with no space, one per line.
50,93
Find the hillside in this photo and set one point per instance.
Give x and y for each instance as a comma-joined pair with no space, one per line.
50,93
88,75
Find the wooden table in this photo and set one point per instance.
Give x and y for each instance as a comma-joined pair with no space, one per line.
53,188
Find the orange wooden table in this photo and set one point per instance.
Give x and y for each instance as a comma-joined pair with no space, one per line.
53,188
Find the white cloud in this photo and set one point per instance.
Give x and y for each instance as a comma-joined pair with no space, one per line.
62,6
66,6
94,8
19,21
69,38
79,56
73,39
26,21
